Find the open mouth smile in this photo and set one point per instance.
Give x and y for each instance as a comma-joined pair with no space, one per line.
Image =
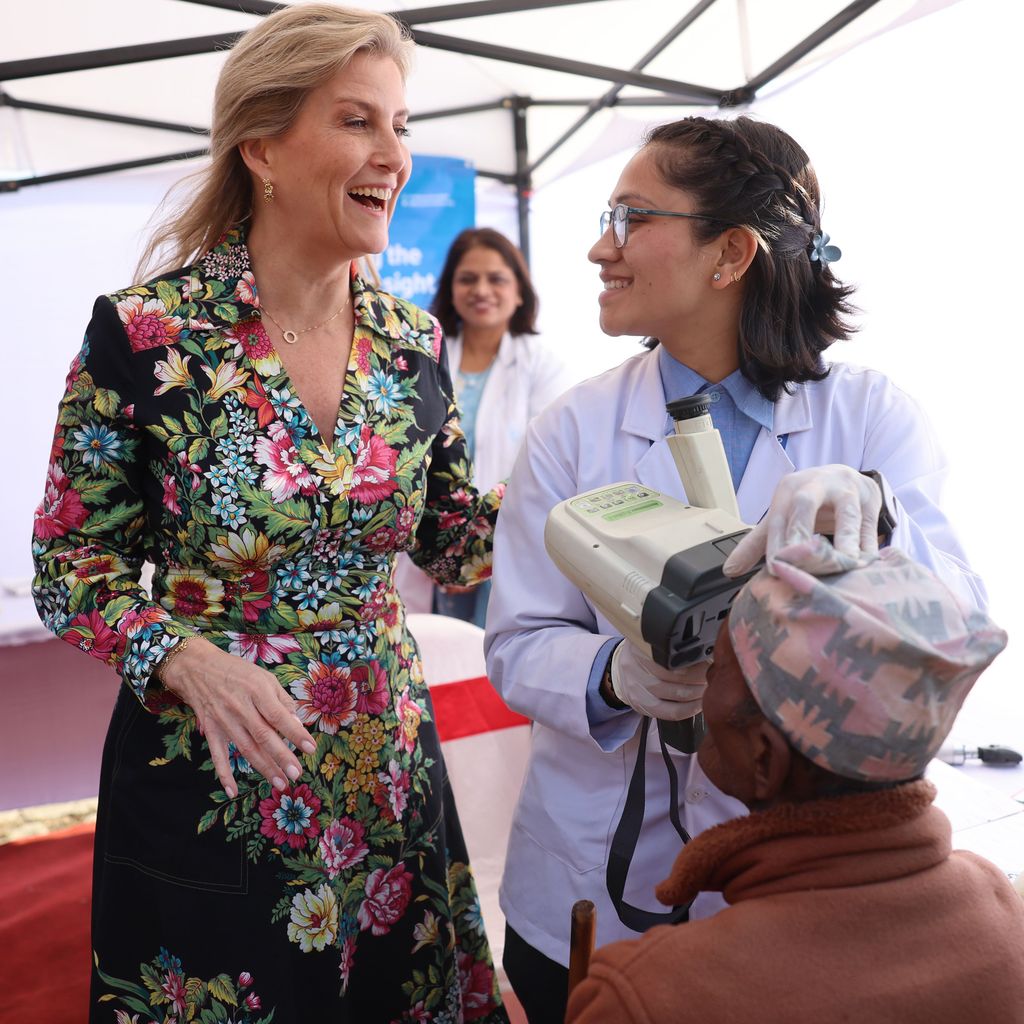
373,197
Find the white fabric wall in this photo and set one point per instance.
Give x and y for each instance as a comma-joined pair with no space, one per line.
913,138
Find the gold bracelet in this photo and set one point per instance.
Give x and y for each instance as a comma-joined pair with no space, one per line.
172,654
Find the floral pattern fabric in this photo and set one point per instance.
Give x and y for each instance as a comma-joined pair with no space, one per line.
181,441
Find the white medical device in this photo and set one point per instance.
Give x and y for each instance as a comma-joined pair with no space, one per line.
651,564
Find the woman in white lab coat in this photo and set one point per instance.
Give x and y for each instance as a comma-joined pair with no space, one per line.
714,249
503,372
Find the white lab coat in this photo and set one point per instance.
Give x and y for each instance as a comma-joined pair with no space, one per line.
525,376
543,634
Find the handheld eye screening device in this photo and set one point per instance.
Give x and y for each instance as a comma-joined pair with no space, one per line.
651,564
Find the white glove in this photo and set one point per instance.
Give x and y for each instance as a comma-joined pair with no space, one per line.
826,499
669,694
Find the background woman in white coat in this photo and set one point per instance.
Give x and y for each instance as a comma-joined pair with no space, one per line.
713,248
503,372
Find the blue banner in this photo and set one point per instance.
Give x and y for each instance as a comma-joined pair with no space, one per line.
438,203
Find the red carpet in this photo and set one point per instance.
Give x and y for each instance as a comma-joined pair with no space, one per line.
44,927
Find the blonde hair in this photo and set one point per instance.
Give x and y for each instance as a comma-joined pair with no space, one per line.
267,76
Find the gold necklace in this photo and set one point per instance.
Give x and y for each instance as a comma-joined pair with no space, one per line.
293,336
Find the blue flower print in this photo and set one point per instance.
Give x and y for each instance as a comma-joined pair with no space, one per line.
385,392
98,444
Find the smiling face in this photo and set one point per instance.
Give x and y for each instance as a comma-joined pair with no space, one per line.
658,284
338,169
485,290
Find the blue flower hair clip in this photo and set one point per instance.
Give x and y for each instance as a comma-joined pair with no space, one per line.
824,253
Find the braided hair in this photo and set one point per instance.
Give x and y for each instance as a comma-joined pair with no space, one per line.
750,174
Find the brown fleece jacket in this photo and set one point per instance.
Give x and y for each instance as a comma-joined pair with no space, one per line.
852,909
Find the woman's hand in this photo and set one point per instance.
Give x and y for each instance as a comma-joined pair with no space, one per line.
836,500
238,702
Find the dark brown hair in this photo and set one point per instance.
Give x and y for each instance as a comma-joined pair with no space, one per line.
751,174
524,319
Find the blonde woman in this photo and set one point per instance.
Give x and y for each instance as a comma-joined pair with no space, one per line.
275,839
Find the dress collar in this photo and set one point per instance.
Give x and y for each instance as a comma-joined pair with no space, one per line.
680,381
222,285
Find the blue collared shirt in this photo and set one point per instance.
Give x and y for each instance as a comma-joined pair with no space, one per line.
738,411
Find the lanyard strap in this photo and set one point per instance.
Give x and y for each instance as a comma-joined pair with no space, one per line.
627,833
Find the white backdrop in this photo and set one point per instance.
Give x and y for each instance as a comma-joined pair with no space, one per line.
913,136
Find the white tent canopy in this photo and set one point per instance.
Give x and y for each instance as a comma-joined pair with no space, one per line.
698,53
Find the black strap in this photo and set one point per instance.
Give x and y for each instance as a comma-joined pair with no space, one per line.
627,833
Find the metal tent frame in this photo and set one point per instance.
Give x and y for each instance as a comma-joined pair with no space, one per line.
663,91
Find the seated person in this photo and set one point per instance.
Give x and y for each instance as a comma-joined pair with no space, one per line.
834,683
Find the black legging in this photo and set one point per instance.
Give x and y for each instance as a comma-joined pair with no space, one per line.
539,983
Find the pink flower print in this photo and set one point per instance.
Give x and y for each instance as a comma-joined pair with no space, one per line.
286,473
382,539
256,595
371,684
245,288
375,605
449,520
392,792
251,339
147,323
61,509
373,469
245,979
174,988
327,696
171,495
342,846
476,978
364,346
258,647
401,363
348,959
404,523
409,717
252,1001
189,467
387,896
134,621
91,634
290,816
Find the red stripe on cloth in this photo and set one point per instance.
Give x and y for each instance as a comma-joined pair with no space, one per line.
469,707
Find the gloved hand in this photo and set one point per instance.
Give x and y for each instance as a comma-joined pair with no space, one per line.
668,694
825,499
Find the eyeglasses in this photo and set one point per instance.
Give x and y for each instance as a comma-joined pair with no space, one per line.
618,216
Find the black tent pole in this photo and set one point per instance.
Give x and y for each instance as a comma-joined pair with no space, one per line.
524,182
612,95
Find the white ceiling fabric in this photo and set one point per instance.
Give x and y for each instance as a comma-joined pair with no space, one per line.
727,44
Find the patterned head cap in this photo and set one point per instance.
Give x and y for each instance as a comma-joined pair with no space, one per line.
862,665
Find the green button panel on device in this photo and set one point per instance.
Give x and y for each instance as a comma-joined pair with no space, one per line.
617,502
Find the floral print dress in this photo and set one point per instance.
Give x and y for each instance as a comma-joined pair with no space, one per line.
181,441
